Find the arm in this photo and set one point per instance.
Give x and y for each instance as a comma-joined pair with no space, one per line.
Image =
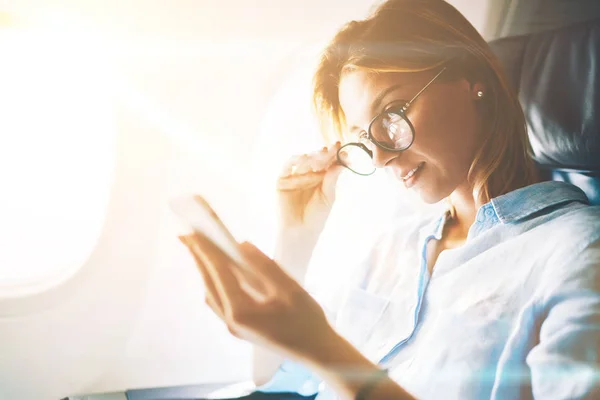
349,373
293,251
306,192
265,364
566,362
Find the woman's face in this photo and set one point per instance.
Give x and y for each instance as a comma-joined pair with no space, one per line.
445,118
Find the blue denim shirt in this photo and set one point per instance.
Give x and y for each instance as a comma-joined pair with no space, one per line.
514,313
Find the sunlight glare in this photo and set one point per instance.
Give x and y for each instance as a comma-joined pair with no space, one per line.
57,148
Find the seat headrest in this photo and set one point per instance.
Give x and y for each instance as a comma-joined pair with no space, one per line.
556,74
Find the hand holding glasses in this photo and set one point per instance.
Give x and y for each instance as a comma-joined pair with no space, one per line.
306,189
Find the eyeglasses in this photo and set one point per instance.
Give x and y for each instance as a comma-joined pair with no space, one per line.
390,130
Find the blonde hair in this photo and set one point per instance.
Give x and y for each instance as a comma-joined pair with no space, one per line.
423,35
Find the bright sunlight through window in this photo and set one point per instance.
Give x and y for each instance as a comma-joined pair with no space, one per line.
56,152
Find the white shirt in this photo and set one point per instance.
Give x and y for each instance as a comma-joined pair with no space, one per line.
512,314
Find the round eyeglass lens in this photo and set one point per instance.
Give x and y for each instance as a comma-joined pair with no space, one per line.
357,158
392,131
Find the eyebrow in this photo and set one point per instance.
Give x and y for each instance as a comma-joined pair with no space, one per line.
377,102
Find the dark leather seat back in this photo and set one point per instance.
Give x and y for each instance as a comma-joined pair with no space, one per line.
556,75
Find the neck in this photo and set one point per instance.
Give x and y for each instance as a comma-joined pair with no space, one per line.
465,210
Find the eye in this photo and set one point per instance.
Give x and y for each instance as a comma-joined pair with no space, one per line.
396,106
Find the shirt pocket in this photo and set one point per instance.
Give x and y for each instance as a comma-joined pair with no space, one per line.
467,357
359,314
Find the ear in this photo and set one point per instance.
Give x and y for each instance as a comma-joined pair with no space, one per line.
478,91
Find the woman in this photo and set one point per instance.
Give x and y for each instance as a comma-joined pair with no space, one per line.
498,298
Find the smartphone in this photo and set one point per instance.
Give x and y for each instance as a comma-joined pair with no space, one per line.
199,215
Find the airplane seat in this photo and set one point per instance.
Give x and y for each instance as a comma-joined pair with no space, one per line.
556,74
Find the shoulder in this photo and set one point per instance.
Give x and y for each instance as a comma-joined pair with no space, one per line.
572,242
572,228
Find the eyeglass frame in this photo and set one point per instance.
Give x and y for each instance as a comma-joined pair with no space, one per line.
402,112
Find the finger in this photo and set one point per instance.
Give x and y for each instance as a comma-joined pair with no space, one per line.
322,162
305,181
314,161
324,159
249,281
210,302
291,164
268,268
209,285
207,250
218,266
252,283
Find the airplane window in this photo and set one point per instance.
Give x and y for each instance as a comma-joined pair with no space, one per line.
56,152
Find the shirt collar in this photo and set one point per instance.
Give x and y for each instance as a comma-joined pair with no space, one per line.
523,202
434,228
512,207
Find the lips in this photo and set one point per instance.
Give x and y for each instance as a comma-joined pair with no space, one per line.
410,173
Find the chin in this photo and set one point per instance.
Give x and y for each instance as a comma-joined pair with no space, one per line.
428,197
427,192
430,191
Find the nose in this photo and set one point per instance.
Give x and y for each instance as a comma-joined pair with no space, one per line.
381,157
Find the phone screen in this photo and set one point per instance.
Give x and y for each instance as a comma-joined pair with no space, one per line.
197,213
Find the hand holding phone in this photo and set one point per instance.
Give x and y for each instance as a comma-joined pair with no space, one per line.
199,215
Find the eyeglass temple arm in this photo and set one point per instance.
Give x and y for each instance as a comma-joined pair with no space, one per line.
422,90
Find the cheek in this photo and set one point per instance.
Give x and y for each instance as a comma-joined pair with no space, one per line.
446,133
